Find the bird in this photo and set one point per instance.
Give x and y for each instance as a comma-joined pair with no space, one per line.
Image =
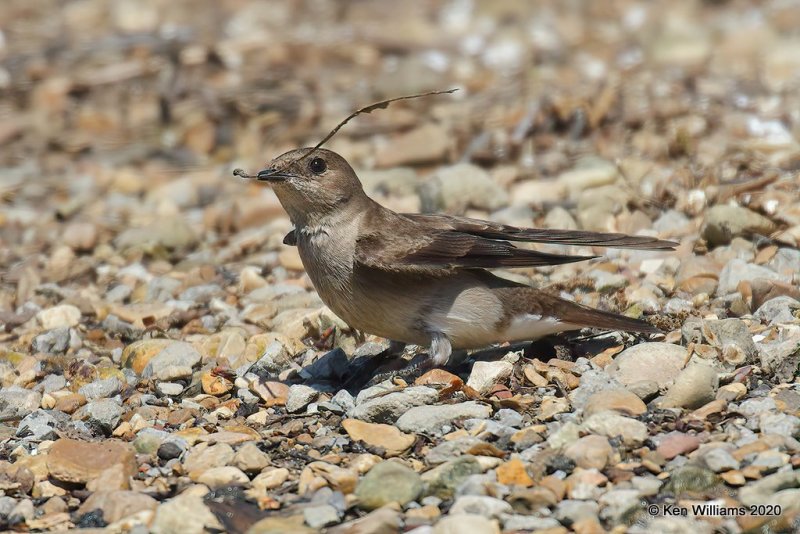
424,279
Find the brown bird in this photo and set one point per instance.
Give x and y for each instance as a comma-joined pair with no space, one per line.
422,279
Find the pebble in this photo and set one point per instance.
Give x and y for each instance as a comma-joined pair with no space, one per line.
318,517
388,408
174,361
386,437
223,477
38,426
300,396
590,452
482,505
76,461
107,413
656,362
611,425
724,222
117,504
617,400
16,402
738,270
461,186
675,443
460,523
100,389
694,386
484,375
432,419
62,316
250,459
388,482
184,513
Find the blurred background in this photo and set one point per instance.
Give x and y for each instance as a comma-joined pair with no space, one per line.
121,120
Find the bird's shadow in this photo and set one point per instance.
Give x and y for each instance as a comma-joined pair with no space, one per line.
334,370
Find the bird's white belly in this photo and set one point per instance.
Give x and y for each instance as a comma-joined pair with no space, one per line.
530,326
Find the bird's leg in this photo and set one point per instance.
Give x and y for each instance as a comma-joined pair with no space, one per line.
438,355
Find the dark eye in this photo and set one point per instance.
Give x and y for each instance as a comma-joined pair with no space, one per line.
318,166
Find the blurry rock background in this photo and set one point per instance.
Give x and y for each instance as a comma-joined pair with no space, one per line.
152,321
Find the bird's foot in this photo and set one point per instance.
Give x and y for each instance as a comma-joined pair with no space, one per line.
409,373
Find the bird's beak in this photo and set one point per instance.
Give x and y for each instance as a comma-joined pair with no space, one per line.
273,175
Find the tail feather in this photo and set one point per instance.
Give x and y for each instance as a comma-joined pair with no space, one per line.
521,300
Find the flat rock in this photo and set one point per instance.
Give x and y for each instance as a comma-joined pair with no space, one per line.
617,400
17,402
386,437
388,482
657,362
389,407
118,504
62,316
461,523
724,222
431,419
184,513
611,424
486,374
76,461
695,386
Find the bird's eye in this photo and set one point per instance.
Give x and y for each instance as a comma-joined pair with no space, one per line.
318,166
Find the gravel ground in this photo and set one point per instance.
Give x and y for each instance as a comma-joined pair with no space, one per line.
167,366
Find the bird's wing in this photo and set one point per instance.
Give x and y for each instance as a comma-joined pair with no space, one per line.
491,230
401,251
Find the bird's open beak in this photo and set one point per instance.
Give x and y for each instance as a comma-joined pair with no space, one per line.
273,175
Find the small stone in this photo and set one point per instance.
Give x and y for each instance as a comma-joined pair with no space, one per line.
185,513
100,389
148,440
691,479
16,402
223,476
272,393
55,341
388,482
39,426
675,443
461,523
431,419
137,355
320,516
385,437
215,384
425,144
657,362
270,478
482,505
62,316
442,480
80,236
299,397
724,222
612,425
204,456
104,412
169,389
590,452
513,473
719,460
388,408
619,400
588,173
117,504
250,459
738,270
175,361
486,374
695,386
456,188
76,461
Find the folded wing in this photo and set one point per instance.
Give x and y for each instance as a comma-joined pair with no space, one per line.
491,230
